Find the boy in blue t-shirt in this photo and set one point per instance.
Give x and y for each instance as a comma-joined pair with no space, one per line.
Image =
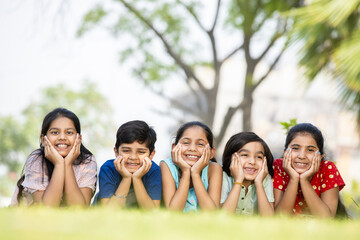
132,179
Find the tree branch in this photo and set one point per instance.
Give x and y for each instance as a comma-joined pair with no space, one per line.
228,116
192,13
216,16
271,66
235,50
188,71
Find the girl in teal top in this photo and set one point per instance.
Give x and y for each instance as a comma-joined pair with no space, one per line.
191,179
247,185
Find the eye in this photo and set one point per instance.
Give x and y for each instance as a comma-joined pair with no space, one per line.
125,151
69,132
311,150
244,155
185,143
201,144
295,148
260,157
141,152
54,132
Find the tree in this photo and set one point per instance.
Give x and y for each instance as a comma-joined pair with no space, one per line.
329,35
20,137
171,40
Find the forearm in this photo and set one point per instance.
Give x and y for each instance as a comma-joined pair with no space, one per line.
233,198
178,201
73,194
287,202
203,197
316,205
53,194
142,197
122,191
264,206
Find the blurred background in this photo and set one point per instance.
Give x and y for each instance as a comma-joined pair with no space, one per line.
236,65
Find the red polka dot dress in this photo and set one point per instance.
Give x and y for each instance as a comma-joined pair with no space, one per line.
326,178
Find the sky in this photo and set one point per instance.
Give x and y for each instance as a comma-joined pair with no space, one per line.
39,48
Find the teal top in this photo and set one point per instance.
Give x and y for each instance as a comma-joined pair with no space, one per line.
247,204
191,201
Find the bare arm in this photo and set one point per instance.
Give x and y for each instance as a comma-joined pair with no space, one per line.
53,194
142,197
208,199
265,207
175,199
122,191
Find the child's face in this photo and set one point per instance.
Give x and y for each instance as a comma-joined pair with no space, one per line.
193,142
252,159
62,135
133,154
303,148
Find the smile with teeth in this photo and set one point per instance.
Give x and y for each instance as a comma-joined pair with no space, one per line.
250,170
62,146
192,157
300,164
132,164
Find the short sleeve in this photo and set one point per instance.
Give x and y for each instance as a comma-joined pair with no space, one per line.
226,187
36,176
268,187
152,182
88,174
108,183
279,176
330,177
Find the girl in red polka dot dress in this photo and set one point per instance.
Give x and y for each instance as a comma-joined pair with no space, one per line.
304,182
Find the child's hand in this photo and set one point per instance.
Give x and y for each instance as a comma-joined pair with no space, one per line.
50,152
236,169
74,152
287,165
202,162
177,159
119,164
263,173
313,169
143,169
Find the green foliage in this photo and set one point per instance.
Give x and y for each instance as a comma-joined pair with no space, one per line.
91,18
330,36
69,223
287,125
20,137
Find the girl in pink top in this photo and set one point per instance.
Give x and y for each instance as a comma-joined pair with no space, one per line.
62,171
304,182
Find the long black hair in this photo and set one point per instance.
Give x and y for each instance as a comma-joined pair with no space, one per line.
40,152
239,140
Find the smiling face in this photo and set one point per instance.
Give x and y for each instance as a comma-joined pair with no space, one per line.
303,148
62,135
193,142
133,154
252,158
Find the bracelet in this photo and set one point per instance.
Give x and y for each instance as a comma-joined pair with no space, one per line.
120,196
241,185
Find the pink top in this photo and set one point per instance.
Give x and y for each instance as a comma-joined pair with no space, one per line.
326,178
36,180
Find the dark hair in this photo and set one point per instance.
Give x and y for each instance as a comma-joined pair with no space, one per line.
207,130
239,140
48,119
306,128
138,131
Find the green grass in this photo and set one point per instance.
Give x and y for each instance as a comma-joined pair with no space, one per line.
46,223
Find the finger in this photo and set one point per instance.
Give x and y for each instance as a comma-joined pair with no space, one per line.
265,167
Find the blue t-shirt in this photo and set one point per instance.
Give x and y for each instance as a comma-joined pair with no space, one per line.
109,180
